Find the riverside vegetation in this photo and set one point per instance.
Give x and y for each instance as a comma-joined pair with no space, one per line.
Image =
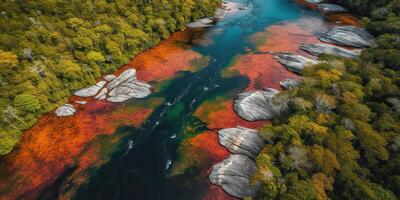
341,138
48,49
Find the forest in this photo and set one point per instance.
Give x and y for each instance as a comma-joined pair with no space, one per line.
341,138
50,48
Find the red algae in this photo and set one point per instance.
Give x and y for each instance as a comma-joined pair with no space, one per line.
219,114
261,68
164,61
200,151
56,143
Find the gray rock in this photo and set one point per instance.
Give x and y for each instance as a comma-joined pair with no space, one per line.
348,36
294,62
233,175
259,105
127,74
102,94
328,7
200,23
315,1
65,110
240,140
206,20
129,89
90,91
109,77
289,83
81,102
318,49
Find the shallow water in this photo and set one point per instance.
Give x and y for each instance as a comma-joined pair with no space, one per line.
168,155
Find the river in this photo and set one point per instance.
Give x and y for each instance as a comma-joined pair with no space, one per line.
162,147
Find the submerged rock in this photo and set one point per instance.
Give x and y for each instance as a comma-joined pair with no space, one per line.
240,140
294,62
90,91
328,7
315,1
259,105
348,36
318,49
233,175
65,110
289,83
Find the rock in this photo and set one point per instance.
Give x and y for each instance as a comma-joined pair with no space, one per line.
315,1
65,110
102,94
289,83
109,77
90,91
294,62
127,74
259,105
328,7
206,20
348,36
81,102
318,49
201,23
129,89
197,25
233,175
240,140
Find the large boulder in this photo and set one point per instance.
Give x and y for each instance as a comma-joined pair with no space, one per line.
200,23
289,83
259,105
348,36
65,110
129,89
90,91
233,175
124,76
318,49
240,140
328,7
294,62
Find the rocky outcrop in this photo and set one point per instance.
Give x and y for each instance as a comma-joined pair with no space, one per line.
348,36
294,62
289,83
315,1
240,140
328,7
129,89
259,105
200,23
124,76
318,49
65,110
233,175
90,91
